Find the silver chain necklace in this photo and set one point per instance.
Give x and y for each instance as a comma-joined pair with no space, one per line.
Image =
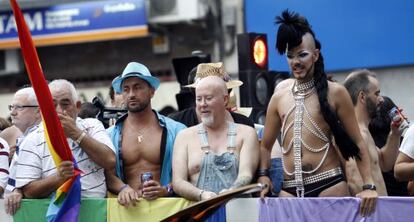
300,92
303,87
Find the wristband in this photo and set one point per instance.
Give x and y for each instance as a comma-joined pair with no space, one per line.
79,140
123,187
369,187
170,190
263,172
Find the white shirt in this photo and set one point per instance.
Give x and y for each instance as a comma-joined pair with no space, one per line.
407,145
4,163
13,165
35,161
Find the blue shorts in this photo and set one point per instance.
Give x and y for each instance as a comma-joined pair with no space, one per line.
276,175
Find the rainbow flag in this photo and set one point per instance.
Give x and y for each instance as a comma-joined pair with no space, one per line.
65,203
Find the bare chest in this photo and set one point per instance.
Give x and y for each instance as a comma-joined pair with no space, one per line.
141,148
307,112
372,150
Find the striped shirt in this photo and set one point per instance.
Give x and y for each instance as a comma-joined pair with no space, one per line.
35,161
11,184
4,163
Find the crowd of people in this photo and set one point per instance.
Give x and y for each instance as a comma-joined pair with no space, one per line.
321,138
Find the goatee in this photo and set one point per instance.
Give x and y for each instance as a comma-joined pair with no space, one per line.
139,108
208,121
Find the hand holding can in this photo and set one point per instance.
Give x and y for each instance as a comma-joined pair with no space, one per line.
145,177
398,119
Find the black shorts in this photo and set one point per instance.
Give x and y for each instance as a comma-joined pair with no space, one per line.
314,189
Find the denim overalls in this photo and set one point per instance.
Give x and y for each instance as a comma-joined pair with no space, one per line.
218,172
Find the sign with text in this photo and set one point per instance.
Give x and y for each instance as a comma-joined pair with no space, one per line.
77,22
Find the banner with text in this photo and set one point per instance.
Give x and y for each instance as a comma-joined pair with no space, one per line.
78,22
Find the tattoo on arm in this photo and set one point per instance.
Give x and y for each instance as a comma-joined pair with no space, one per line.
244,180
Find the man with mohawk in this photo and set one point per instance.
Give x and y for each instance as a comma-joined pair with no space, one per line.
308,111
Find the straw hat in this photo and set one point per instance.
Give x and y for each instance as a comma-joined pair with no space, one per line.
214,69
232,106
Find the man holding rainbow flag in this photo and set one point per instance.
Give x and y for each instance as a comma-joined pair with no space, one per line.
65,203
91,148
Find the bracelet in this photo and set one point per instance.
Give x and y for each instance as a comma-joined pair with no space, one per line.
170,190
123,187
201,193
369,187
263,172
79,140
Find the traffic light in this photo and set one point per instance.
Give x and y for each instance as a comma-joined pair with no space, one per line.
258,81
265,84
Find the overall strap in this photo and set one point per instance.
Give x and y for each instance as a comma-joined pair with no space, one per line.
231,137
202,134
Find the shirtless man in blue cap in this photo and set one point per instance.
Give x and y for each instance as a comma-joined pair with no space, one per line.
143,140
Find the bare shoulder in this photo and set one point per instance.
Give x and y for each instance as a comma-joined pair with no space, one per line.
186,132
336,89
246,130
184,138
338,95
281,89
284,85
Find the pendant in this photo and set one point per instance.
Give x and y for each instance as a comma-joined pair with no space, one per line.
140,138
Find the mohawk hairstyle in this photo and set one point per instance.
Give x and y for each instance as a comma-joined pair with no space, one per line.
291,30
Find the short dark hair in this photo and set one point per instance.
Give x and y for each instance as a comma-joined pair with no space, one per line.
88,110
111,93
4,123
358,81
191,75
379,126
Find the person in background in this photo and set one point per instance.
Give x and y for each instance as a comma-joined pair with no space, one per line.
404,166
364,89
10,134
4,123
380,127
117,99
4,165
410,188
167,110
88,110
25,116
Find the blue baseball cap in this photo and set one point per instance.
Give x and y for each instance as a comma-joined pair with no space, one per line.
135,69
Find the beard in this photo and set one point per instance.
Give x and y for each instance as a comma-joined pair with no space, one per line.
207,120
139,107
372,108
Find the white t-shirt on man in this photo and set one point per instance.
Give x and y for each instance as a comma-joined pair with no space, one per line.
35,161
407,145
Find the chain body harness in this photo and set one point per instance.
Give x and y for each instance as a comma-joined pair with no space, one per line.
300,93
